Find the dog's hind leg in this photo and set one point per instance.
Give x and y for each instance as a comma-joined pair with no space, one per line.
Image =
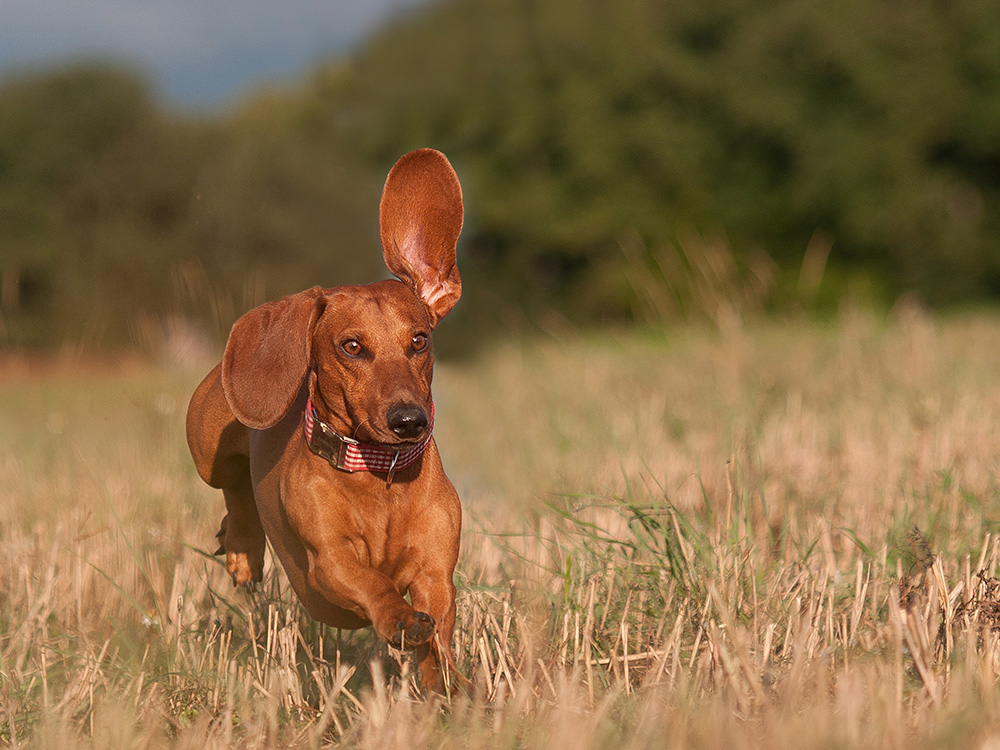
220,448
241,537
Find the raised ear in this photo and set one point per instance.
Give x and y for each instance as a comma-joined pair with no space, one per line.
267,357
420,218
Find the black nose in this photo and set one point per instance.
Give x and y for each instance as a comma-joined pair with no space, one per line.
407,420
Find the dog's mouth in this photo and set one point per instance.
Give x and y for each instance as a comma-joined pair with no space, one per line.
388,440
395,443
399,447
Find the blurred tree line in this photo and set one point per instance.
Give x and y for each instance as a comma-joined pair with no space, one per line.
120,222
621,159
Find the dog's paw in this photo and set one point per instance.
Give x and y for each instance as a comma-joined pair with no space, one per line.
244,553
245,568
414,633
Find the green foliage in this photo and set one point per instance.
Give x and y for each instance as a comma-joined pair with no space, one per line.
876,124
117,217
93,182
621,160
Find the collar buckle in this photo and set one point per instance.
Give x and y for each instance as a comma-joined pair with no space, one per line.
333,447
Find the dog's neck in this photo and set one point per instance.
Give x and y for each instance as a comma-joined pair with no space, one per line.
347,454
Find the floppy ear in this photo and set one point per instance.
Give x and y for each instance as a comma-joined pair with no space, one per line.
420,218
267,357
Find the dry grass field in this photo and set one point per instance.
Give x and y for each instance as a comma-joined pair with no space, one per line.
778,535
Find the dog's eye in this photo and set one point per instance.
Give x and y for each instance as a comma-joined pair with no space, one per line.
420,342
352,347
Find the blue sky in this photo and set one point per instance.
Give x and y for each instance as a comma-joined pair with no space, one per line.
198,53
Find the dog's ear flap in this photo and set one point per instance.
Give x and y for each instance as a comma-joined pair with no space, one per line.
267,357
420,218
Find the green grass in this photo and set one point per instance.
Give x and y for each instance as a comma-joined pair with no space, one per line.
779,535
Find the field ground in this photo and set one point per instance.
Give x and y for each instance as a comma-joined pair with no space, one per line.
783,535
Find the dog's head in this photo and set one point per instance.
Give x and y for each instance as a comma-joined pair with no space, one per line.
369,346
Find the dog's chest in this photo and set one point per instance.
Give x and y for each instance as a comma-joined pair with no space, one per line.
385,532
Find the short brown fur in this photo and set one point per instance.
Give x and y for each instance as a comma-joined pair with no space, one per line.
353,544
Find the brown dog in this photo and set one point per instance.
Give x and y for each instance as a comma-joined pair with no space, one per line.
317,424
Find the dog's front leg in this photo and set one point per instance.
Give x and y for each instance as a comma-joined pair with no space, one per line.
340,576
435,593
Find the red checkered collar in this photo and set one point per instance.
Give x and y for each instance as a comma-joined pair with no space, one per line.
347,454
